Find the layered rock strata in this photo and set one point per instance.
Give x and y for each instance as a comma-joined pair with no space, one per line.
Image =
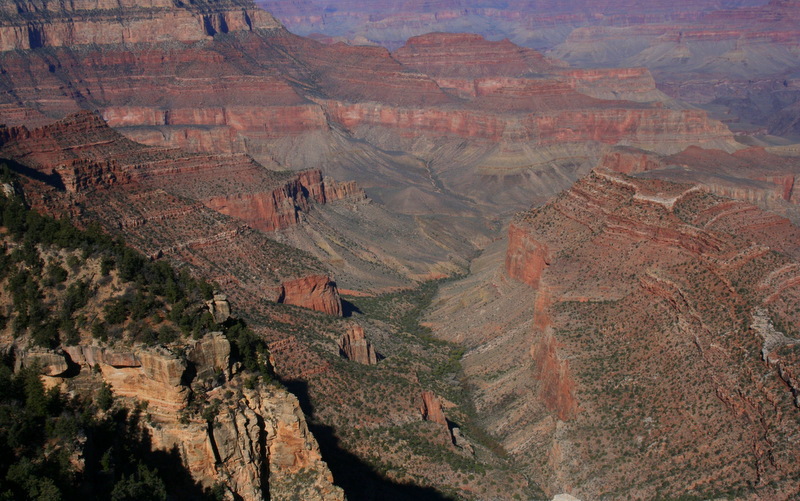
754,174
92,163
642,277
98,23
262,91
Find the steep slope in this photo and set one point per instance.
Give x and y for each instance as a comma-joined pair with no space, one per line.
83,157
656,333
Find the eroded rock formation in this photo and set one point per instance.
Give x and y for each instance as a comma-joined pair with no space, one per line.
257,446
315,292
354,346
431,410
282,99
526,258
210,356
258,438
219,307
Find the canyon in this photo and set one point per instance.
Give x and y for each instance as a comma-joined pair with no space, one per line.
726,57
518,118
629,330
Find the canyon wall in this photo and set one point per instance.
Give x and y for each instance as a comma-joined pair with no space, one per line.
362,113
146,21
644,263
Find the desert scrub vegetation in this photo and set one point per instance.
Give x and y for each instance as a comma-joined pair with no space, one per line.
64,282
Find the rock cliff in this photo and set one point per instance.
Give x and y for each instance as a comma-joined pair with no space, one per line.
279,98
30,25
257,445
148,187
82,154
258,438
431,410
753,174
526,258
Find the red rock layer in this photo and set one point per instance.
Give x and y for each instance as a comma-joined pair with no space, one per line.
558,388
348,190
275,95
84,154
657,128
431,409
276,209
315,292
464,55
629,161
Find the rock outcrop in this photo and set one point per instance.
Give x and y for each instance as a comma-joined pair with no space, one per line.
354,346
210,356
99,355
431,410
219,307
257,445
51,363
315,292
258,438
281,207
158,378
558,388
753,175
526,258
